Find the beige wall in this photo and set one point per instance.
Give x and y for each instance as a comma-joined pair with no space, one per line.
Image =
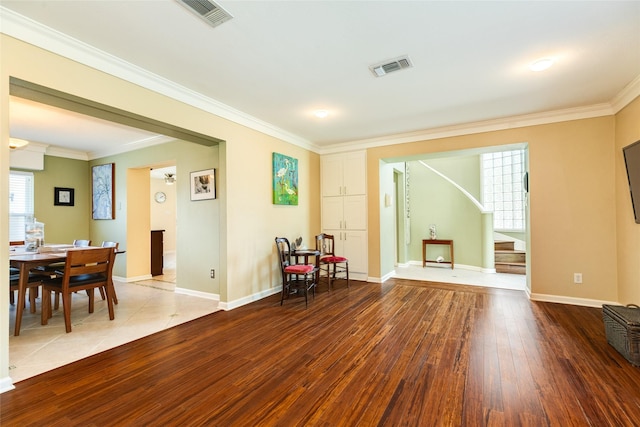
248,220
628,232
572,192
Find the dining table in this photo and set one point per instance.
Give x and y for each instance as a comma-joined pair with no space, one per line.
25,261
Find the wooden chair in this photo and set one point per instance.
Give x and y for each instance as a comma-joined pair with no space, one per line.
113,245
331,265
13,271
50,270
33,284
296,278
84,270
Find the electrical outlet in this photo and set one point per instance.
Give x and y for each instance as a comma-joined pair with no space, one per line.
212,274
577,277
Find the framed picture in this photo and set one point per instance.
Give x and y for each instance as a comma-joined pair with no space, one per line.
103,191
285,180
63,196
203,184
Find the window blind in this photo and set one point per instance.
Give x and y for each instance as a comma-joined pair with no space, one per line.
20,203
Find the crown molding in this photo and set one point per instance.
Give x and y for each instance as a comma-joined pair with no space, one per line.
626,95
512,122
33,32
67,154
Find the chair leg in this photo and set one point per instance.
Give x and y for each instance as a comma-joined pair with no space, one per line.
56,302
306,292
90,294
46,307
102,292
110,299
33,293
12,298
284,289
347,269
113,293
66,308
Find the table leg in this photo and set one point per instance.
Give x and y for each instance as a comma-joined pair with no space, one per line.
451,253
22,294
424,254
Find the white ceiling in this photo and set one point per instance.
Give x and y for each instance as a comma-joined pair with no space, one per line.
278,61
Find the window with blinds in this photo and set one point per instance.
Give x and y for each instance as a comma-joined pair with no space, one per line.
503,190
20,203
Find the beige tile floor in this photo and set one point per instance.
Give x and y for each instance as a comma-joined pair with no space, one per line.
462,276
144,308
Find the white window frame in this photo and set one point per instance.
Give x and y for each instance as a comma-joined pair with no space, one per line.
21,203
503,190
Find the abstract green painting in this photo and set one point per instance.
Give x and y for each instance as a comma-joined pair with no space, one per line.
285,180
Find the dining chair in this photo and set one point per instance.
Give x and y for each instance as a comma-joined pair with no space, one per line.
113,245
33,284
84,269
331,266
296,278
50,270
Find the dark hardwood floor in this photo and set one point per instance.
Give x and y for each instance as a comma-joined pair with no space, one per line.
401,353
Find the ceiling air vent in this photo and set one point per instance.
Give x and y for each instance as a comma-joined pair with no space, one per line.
212,14
390,66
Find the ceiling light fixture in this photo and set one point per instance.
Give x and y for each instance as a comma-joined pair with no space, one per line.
541,64
321,114
17,143
169,178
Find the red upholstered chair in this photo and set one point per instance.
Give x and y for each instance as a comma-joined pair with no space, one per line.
332,266
296,278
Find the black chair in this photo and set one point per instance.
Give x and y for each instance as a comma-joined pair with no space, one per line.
296,278
84,270
331,266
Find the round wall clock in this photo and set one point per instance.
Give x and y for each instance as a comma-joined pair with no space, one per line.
160,197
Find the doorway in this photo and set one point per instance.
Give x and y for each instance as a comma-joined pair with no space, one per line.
163,220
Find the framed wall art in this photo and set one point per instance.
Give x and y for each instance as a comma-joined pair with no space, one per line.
285,180
203,184
103,191
63,196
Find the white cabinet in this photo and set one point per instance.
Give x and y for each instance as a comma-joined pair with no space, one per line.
344,213
344,174
344,207
352,245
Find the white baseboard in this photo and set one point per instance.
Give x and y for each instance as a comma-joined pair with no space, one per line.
132,279
456,265
249,299
199,294
6,384
586,302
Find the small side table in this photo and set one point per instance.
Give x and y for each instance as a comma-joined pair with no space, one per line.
426,242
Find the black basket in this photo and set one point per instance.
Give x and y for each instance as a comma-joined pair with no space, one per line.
622,327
